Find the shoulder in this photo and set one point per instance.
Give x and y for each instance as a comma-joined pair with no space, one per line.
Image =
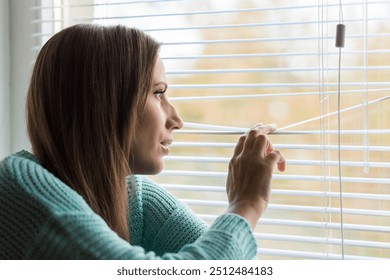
23,174
147,199
148,192
31,198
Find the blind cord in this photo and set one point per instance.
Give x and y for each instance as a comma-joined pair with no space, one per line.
340,38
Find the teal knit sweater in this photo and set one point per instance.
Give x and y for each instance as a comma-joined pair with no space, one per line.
42,218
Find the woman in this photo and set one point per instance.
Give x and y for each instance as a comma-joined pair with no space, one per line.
97,111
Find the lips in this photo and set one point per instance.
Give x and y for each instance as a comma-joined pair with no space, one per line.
165,145
167,142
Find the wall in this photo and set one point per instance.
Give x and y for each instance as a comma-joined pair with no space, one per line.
21,56
5,144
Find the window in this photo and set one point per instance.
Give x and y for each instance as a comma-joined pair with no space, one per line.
231,64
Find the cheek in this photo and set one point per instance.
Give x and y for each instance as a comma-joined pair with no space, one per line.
150,129
147,152
153,120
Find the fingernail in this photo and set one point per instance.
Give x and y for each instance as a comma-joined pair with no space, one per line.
256,125
274,126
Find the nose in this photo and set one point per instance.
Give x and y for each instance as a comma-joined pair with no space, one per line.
174,121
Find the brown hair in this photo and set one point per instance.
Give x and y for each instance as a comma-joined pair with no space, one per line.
87,91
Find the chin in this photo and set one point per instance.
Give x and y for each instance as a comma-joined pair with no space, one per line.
149,169
154,171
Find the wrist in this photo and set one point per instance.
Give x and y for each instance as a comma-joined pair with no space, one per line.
248,209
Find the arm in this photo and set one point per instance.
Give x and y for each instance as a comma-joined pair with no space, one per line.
79,233
157,221
87,236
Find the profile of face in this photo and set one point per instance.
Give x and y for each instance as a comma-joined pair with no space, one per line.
156,125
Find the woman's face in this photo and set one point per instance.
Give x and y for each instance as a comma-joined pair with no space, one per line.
154,132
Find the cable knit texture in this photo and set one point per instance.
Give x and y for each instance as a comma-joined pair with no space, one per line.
43,218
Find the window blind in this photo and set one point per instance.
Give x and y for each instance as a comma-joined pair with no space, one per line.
231,64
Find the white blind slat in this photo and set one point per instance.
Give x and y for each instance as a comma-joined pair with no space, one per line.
286,146
271,70
310,224
299,208
226,160
346,195
319,240
309,255
295,132
277,85
246,25
208,12
264,24
274,54
96,4
275,95
214,174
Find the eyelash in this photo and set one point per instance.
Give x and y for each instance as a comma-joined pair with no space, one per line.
158,93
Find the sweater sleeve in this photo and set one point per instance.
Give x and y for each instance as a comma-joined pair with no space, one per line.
158,222
82,236
162,224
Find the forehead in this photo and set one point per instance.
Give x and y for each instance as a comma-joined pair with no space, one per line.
159,71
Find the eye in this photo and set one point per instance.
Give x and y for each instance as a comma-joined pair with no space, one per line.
159,92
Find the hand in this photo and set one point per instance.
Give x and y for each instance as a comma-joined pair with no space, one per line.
248,183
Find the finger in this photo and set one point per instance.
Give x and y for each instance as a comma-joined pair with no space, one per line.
239,146
276,157
282,166
250,140
270,147
265,128
262,145
256,125
281,162
254,132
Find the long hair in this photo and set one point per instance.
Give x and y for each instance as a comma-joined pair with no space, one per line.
88,89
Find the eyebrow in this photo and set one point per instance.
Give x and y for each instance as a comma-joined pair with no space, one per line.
161,83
